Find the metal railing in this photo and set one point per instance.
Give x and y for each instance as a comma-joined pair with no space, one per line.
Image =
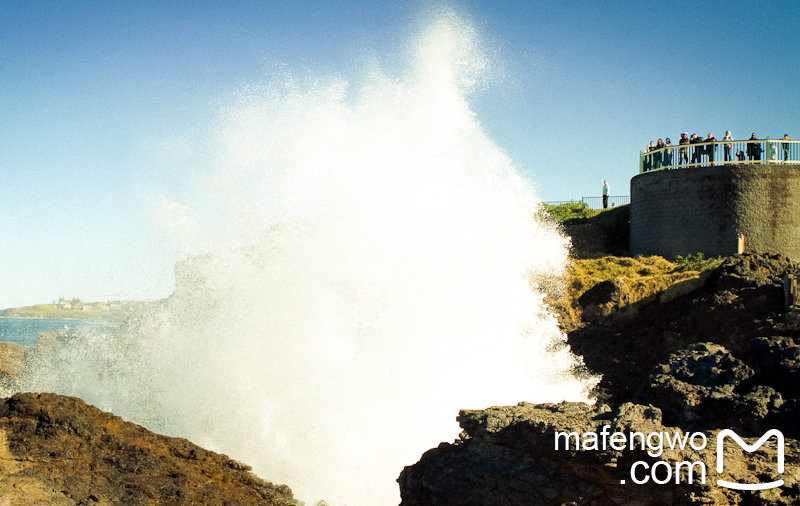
706,154
596,202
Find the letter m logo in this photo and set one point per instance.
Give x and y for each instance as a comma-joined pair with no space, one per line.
749,448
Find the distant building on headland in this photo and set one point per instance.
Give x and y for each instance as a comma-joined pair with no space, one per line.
99,307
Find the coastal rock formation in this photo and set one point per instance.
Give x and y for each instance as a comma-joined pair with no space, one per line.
740,301
11,366
11,356
705,384
57,450
508,456
698,361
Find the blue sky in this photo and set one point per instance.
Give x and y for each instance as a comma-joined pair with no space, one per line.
89,91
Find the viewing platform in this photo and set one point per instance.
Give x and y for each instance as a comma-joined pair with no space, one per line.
716,209
719,153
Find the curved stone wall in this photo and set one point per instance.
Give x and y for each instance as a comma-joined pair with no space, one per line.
686,211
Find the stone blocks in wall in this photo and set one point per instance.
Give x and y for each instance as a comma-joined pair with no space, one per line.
686,211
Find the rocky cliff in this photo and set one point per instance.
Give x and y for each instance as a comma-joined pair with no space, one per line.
717,357
57,450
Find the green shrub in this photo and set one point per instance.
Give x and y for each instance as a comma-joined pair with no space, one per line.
696,262
570,211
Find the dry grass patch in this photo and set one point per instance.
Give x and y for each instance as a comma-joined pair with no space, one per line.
642,276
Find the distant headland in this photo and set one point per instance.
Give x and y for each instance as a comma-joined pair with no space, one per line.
75,308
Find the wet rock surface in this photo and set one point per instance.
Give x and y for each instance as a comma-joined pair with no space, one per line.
717,357
57,450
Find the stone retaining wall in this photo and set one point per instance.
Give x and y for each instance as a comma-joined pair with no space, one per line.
686,211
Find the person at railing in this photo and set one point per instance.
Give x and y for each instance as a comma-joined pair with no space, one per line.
606,193
652,157
697,151
727,147
754,149
648,158
684,151
711,148
658,155
667,156
770,151
785,146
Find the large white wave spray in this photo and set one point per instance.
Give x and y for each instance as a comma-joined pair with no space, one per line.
389,286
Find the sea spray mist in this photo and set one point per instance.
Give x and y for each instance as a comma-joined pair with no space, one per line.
368,257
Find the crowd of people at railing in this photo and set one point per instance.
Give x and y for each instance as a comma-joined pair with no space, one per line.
692,150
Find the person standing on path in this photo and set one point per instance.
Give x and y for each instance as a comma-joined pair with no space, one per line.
606,193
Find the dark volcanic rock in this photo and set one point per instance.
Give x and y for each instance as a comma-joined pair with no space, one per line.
704,387
605,292
741,300
718,357
778,360
507,456
57,450
603,298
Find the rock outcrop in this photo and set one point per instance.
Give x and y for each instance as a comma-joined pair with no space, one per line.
508,456
688,363
57,450
740,301
11,365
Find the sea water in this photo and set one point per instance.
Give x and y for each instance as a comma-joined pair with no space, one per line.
26,330
371,263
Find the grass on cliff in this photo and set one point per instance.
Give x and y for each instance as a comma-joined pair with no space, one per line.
602,237
655,272
643,277
569,211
